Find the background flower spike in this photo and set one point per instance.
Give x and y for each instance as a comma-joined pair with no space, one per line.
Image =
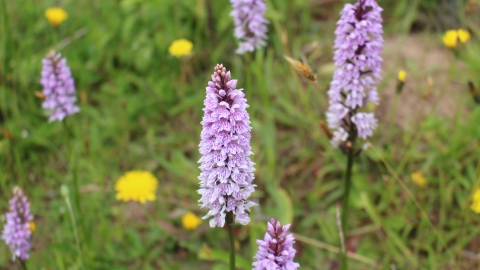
17,232
58,88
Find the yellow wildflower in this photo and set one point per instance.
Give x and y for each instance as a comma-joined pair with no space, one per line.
419,179
56,16
137,186
190,221
402,75
452,37
463,35
180,47
475,206
32,226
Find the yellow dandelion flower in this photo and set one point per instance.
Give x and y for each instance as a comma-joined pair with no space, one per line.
463,35
475,206
450,38
402,75
180,47
56,16
453,37
32,226
419,179
190,221
137,186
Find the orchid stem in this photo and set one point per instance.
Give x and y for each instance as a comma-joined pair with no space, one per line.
346,193
231,240
65,192
23,264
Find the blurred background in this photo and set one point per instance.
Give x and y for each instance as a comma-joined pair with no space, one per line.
141,109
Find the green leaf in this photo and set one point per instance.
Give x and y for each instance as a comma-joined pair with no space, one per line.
143,58
393,237
283,205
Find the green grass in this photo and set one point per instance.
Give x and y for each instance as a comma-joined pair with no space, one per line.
141,108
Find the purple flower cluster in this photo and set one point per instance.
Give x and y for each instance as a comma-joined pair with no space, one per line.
250,24
227,171
276,251
58,87
358,45
16,232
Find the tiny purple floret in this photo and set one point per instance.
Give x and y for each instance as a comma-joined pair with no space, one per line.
276,251
227,171
250,24
358,45
16,232
58,88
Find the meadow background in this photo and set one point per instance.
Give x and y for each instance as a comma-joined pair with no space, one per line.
141,108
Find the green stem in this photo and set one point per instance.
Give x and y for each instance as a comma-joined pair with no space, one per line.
72,165
18,164
74,171
231,240
392,119
23,264
148,215
346,195
56,34
65,193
